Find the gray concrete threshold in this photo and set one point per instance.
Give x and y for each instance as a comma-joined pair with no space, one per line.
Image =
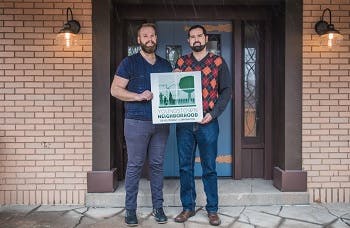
246,192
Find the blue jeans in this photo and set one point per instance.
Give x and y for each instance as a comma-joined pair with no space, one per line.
206,136
144,138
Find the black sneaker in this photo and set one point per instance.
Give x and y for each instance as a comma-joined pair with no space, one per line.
159,215
130,218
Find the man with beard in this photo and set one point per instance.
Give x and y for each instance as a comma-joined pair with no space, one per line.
132,84
216,93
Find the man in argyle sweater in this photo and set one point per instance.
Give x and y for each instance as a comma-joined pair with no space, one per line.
216,93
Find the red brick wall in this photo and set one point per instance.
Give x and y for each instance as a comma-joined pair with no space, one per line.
45,103
326,101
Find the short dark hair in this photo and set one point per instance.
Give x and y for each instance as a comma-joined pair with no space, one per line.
195,27
147,25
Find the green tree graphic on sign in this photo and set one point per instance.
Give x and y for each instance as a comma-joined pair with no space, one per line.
186,84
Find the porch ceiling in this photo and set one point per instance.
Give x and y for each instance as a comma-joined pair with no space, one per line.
198,2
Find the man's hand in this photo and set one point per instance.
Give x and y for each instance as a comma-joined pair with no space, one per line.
207,118
144,96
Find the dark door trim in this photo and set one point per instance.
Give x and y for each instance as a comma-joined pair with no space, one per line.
268,104
229,13
263,139
237,125
185,12
103,176
288,174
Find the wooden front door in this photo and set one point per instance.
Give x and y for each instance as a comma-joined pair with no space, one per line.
172,38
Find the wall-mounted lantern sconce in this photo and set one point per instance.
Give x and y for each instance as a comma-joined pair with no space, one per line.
67,35
327,31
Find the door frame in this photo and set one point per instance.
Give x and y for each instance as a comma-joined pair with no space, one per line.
267,104
287,154
234,14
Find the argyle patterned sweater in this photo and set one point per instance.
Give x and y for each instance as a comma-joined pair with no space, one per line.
209,66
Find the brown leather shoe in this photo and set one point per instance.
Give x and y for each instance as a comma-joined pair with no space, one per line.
183,216
214,219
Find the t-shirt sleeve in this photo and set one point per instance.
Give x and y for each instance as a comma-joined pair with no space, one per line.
124,69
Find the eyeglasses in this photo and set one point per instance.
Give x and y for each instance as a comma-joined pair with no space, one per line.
197,36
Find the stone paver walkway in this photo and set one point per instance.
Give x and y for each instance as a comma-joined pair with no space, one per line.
313,215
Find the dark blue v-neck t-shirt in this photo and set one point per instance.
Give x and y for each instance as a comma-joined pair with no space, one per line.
137,70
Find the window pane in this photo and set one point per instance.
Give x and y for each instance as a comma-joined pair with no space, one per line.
251,79
133,46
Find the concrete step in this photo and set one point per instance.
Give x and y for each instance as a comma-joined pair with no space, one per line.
246,192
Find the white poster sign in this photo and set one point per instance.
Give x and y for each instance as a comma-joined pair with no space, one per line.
177,97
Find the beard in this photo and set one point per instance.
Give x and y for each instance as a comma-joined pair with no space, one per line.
148,49
199,47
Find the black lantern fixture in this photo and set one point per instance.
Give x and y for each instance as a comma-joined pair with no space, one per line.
67,35
327,31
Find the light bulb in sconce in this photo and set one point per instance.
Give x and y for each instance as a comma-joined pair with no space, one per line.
69,39
331,38
68,34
